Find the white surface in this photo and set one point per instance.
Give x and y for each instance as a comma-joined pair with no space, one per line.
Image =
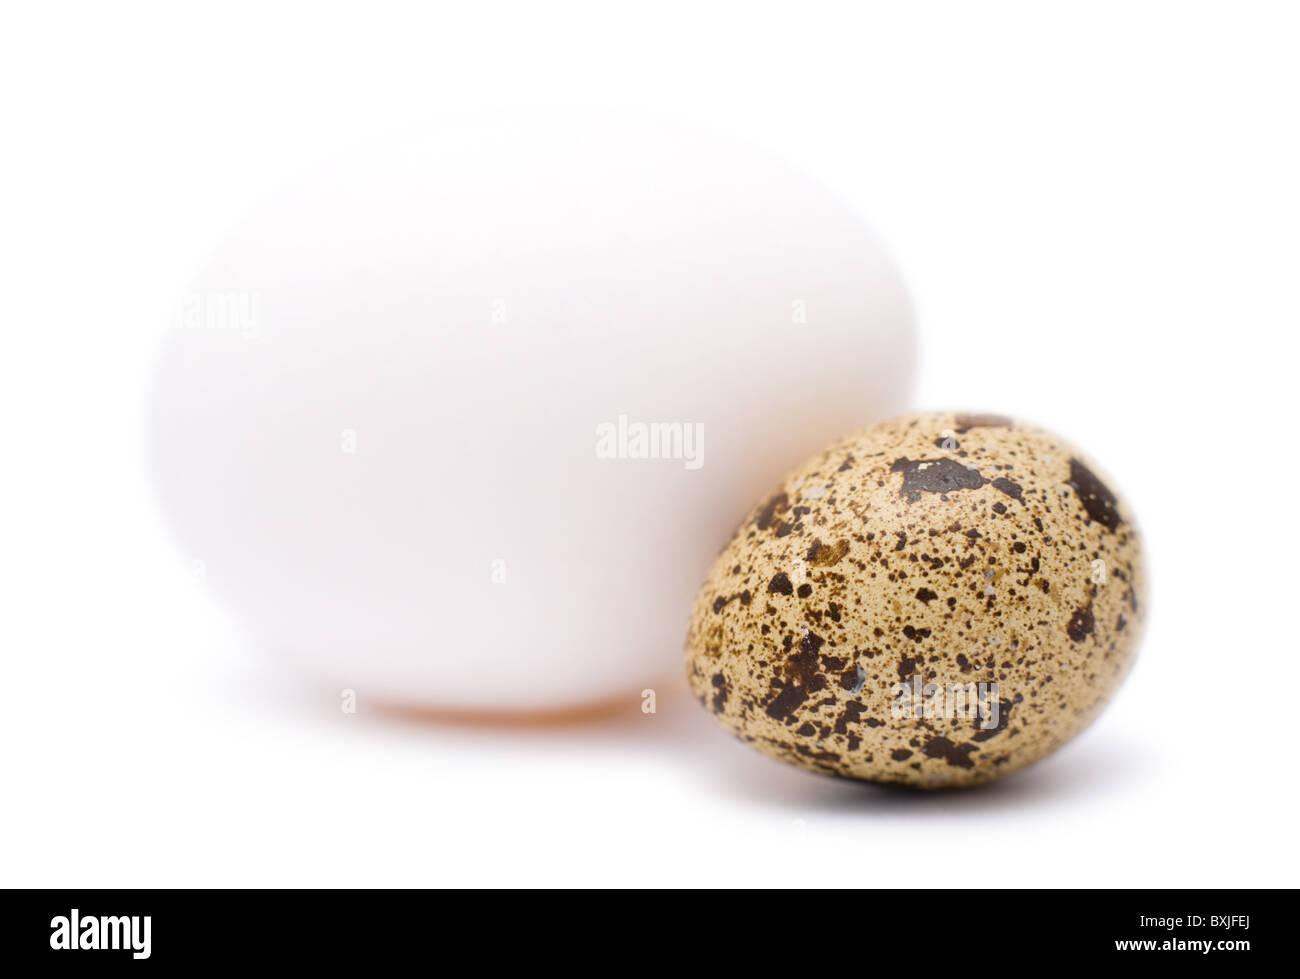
1095,207
397,417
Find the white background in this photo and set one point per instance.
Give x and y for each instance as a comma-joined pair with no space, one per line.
1097,210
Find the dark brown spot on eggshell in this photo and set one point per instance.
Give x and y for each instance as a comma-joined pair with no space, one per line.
1097,500
963,423
953,754
934,476
827,556
1008,486
1081,624
772,509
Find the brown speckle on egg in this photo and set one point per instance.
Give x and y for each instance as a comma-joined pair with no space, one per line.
937,613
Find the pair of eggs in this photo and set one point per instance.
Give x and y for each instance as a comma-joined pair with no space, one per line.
460,420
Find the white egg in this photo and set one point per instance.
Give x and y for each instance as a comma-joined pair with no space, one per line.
461,419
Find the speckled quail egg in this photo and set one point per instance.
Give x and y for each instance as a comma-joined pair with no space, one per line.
937,601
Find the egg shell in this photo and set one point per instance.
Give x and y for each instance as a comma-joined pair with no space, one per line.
841,627
396,420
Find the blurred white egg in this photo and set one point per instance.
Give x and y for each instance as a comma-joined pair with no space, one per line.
460,419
